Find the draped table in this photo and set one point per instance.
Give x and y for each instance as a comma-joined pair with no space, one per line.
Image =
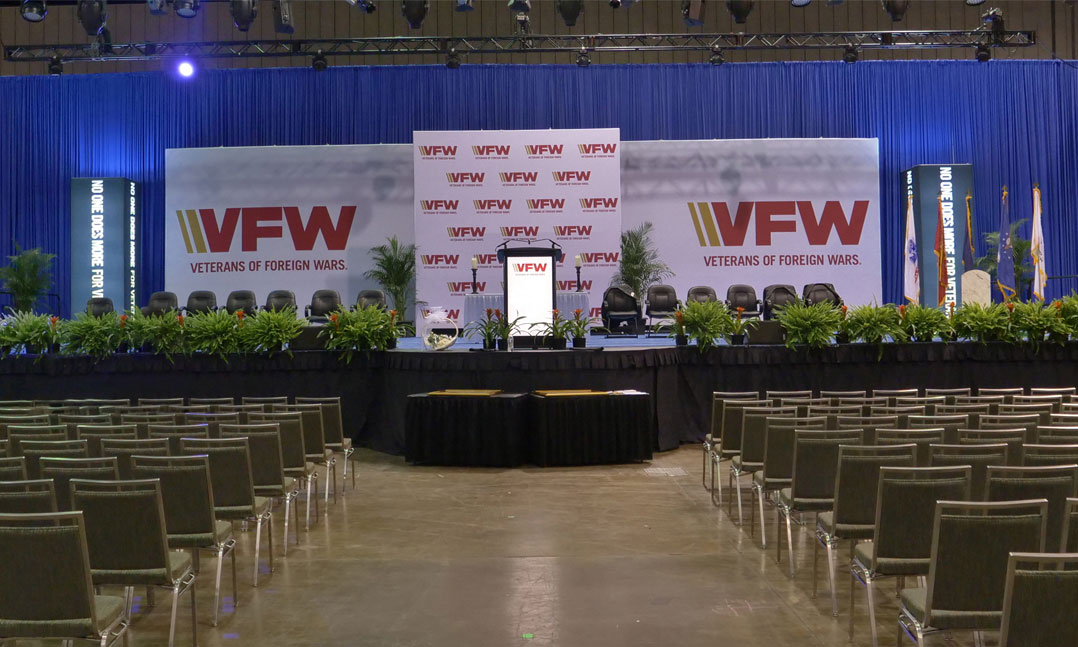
590,428
447,428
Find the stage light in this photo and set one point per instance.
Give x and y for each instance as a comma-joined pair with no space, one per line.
850,55
616,4
243,13
185,8
896,9
104,41
800,3
740,9
452,59
185,69
993,19
716,56
583,59
520,6
569,10
983,53
692,11
93,14
319,62
158,7
464,5
974,3
56,65
414,11
282,17
34,10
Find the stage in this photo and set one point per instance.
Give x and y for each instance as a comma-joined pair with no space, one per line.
374,388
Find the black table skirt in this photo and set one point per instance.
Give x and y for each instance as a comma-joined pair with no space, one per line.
466,430
590,430
374,388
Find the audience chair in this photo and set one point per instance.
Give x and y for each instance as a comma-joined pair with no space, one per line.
294,455
124,448
175,432
1038,603
1054,483
776,471
35,450
12,468
314,441
1014,438
267,467
34,496
753,443
891,394
264,401
333,426
729,443
776,395
836,396
1008,393
713,439
923,438
212,403
977,457
73,421
62,470
1047,455
868,424
1070,529
46,586
212,421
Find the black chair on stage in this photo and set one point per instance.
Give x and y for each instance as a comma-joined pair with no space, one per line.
661,303
821,293
620,307
368,298
99,306
743,296
279,300
701,294
323,302
201,301
778,296
241,300
160,303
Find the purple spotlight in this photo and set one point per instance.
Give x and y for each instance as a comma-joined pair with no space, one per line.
185,69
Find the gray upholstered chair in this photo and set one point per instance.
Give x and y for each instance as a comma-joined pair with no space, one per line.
35,450
977,457
730,439
314,441
1054,483
27,497
264,401
869,424
1008,392
212,403
123,449
201,301
968,568
99,306
743,296
267,467
923,438
62,470
67,607
951,394
776,297
323,302
778,462
333,426
713,438
187,497
294,454
852,517
901,543
176,432
280,300
241,300
1053,454
891,394
160,303
753,443
1038,603
1070,528
12,468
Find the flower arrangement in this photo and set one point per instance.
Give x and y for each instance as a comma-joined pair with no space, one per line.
739,327
556,330
486,328
579,324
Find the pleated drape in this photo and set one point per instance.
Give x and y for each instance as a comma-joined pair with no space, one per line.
1014,120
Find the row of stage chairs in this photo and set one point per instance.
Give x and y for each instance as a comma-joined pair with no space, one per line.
132,493
975,492
323,302
661,301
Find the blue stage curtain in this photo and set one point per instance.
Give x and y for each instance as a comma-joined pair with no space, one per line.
1014,120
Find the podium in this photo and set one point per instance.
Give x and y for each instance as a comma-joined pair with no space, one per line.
530,283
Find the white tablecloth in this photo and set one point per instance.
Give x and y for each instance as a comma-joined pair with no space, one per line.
475,305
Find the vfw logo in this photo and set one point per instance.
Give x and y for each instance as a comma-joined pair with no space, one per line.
598,205
570,285
207,231
438,152
451,314
520,231
439,206
457,288
440,261
465,179
519,178
546,205
490,151
466,233
719,224
530,267
596,313
597,150
487,260
544,151
487,206
571,178
599,259
572,232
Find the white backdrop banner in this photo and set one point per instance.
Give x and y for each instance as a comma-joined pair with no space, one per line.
476,189
298,218
760,212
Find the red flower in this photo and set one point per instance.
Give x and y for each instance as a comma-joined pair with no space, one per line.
180,319
240,314
1010,306
123,320
1058,305
576,313
53,321
490,311
902,311
678,315
392,314
555,313
333,318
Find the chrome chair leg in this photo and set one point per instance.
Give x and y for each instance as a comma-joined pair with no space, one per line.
269,520
175,608
194,612
763,523
829,545
737,485
789,543
310,484
707,459
286,500
217,583
871,601
258,546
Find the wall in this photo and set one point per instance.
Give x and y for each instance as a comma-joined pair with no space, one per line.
1053,20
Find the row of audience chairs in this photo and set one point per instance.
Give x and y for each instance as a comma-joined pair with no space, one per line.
938,483
106,492
323,302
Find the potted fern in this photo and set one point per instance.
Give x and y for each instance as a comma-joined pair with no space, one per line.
923,324
809,325
97,337
706,322
27,277
394,270
270,331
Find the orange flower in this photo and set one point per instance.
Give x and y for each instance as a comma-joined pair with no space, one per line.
333,318
576,313
123,320
739,311
556,313
180,319
845,308
392,314
240,314
679,316
53,321
1058,305
902,311
952,309
1010,306
490,311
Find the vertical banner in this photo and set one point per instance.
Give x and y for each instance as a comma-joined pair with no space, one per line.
938,192
477,189
104,241
760,212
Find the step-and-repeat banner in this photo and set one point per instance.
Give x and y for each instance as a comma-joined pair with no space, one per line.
476,189
297,218
760,212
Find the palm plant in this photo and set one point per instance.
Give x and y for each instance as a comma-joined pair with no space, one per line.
640,266
394,270
27,276
1023,270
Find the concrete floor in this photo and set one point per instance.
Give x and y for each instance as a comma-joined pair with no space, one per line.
619,555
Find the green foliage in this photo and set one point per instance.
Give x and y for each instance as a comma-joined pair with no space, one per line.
874,324
706,322
639,266
1068,310
557,328
983,323
394,270
27,276
31,333
579,324
361,330
136,329
740,325
485,328
270,331
97,337
165,333
213,333
920,323
1020,248
805,325
1034,322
